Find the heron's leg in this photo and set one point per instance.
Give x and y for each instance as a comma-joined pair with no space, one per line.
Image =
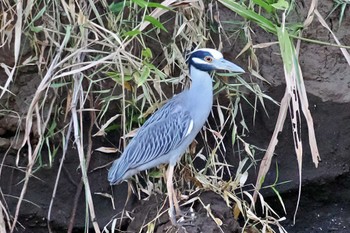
176,203
129,193
169,184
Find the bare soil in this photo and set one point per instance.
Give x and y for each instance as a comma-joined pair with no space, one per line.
324,207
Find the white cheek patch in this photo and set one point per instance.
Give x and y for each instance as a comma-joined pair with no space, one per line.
214,53
199,61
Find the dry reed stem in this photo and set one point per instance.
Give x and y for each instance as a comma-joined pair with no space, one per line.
266,162
2,218
64,152
32,155
17,46
62,69
49,77
295,96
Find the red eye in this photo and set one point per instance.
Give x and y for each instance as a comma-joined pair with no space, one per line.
208,59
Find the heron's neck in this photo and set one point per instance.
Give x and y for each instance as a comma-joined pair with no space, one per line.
202,82
200,96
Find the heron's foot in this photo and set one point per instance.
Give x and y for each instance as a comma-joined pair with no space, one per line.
172,216
186,220
178,211
179,218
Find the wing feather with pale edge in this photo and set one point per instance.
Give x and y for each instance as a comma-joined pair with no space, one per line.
161,133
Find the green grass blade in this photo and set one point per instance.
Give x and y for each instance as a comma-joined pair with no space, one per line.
249,14
264,5
155,22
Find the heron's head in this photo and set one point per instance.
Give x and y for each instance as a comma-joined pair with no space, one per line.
210,59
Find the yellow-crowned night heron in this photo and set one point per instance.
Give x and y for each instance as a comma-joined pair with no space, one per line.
164,137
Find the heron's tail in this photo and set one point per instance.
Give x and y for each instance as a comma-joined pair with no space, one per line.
117,171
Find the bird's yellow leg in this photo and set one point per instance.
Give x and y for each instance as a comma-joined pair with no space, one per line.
176,203
171,193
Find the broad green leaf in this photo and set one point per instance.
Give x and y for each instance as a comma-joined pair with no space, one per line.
281,5
51,130
145,72
147,53
117,77
264,5
112,127
249,14
118,7
155,22
132,33
36,29
141,3
156,174
286,48
39,15
144,4
158,5
36,17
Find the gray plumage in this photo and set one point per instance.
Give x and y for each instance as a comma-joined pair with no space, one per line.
165,136
163,132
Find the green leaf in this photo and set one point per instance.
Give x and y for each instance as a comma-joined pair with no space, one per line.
117,77
141,3
155,22
112,127
36,29
264,5
286,48
156,174
132,33
39,15
249,14
158,5
144,4
281,5
117,7
58,85
261,181
144,75
36,17
51,130
147,53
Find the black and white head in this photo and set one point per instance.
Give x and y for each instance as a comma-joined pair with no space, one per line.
210,59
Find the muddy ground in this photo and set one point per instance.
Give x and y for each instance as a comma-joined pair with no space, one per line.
324,206
325,200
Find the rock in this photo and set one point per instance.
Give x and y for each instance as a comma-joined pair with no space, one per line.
4,143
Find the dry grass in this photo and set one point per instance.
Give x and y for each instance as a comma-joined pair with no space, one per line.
295,99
